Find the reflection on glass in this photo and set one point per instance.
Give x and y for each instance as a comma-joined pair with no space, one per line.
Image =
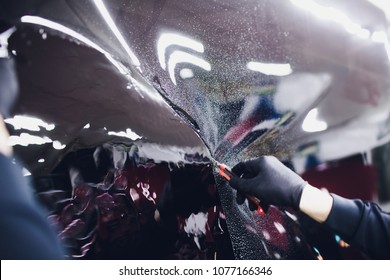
29,123
298,91
107,17
182,57
26,172
270,68
279,227
381,37
171,39
312,123
337,16
186,73
59,27
383,5
26,139
4,41
128,134
196,225
58,145
142,88
121,68
332,14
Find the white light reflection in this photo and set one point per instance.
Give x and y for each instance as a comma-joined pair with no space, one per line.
142,87
274,69
384,5
363,33
312,124
279,227
59,27
88,125
29,123
292,216
266,235
107,17
381,37
337,16
196,224
4,41
331,14
58,145
170,39
182,57
186,73
41,160
26,139
128,134
26,172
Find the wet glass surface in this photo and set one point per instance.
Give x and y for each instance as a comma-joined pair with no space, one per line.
222,79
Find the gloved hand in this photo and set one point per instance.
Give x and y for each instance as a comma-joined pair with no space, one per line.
270,181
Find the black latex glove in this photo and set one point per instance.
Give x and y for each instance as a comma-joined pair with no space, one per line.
270,181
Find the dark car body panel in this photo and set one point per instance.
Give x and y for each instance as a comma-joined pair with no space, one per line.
230,80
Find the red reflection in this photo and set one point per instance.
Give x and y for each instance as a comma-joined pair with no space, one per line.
116,219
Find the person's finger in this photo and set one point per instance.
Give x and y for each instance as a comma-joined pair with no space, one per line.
249,168
246,186
239,169
236,182
240,197
253,166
